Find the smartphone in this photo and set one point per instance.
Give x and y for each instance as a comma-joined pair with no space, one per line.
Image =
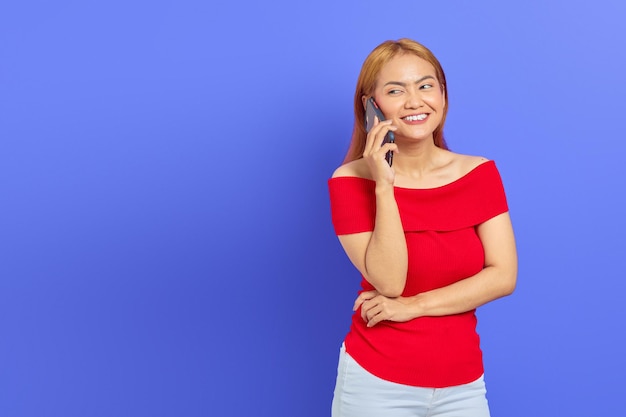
372,111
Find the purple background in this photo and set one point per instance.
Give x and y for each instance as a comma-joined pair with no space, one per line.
165,238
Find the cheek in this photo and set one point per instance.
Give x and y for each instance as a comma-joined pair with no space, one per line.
437,101
389,108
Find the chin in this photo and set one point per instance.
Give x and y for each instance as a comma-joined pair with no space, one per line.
416,136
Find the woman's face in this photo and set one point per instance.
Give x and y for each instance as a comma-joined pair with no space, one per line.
407,91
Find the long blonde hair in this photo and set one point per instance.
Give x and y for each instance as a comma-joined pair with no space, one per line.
366,84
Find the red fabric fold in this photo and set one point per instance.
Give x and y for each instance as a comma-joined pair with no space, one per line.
468,201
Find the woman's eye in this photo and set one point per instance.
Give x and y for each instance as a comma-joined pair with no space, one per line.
393,92
426,86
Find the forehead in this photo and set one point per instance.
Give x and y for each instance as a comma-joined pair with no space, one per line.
405,67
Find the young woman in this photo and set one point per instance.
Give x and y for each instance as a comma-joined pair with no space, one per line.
432,239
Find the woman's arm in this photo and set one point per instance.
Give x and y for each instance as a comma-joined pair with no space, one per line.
496,280
381,256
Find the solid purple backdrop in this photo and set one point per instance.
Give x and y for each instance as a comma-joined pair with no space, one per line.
165,236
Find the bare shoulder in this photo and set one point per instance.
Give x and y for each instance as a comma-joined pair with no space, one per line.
467,163
356,168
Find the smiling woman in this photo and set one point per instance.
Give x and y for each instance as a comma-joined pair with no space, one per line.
367,81
426,266
411,97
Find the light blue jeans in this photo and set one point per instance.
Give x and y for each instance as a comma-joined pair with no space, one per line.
361,394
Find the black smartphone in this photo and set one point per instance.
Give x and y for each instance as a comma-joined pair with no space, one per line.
372,111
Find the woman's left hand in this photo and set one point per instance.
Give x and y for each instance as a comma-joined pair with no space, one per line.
376,308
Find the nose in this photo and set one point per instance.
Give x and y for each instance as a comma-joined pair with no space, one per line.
413,100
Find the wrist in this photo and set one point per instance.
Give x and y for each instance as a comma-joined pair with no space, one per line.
383,188
418,306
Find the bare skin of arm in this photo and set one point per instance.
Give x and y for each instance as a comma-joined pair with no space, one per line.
381,255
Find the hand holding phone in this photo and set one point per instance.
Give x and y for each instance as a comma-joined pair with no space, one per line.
371,112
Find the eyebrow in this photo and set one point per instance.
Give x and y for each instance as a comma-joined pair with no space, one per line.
400,83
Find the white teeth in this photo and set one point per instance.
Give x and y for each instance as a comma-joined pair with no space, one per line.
414,118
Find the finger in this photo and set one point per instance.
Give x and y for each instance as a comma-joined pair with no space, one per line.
380,131
364,296
380,147
377,134
368,309
364,309
357,303
374,306
364,302
369,294
388,147
376,316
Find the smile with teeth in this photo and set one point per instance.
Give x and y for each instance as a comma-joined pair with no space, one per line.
415,117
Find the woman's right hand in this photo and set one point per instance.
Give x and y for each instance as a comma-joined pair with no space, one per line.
375,151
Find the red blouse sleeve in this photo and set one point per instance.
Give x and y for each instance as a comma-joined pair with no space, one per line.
352,204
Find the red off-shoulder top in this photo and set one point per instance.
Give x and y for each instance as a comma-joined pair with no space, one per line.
443,248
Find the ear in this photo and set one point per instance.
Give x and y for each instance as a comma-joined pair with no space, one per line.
364,101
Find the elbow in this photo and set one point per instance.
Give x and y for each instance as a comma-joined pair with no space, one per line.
509,283
508,290
390,291
503,280
391,285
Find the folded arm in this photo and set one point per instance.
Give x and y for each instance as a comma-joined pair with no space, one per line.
495,280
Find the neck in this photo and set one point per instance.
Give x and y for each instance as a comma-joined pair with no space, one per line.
414,159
